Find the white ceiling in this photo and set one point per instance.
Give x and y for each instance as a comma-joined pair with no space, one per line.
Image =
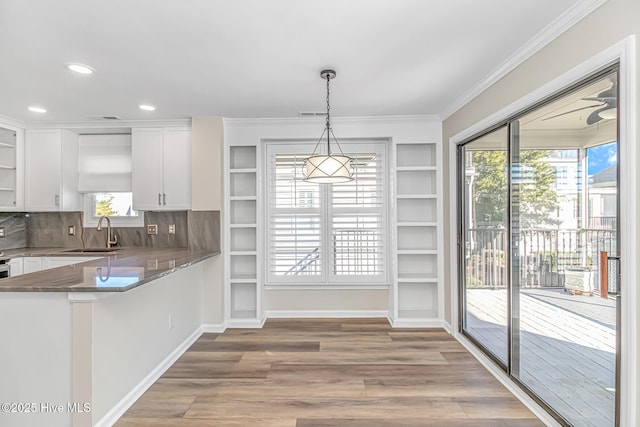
255,58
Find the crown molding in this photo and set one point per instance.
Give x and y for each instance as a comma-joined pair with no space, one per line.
296,121
104,124
12,122
94,124
545,36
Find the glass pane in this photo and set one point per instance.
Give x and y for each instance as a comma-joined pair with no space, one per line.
295,245
114,205
485,223
564,198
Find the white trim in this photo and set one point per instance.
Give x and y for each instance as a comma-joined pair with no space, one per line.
297,121
549,33
504,379
130,398
107,124
326,286
628,223
325,314
447,327
624,53
418,323
12,122
245,323
214,328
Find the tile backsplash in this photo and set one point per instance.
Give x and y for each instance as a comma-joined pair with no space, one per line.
15,230
196,230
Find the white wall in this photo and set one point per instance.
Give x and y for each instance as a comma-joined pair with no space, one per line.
398,129
35,357
133,333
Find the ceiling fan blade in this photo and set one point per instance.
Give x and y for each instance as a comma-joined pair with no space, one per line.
594,117
601,99
571,111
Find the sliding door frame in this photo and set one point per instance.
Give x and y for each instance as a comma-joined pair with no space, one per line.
622,57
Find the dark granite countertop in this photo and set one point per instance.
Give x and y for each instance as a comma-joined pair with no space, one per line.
117,271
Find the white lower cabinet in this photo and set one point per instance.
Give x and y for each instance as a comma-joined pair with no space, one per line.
15,267
33,264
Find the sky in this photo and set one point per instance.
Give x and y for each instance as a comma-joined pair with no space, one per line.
601,157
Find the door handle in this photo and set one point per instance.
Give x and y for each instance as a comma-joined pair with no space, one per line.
164,199
159,199
56,200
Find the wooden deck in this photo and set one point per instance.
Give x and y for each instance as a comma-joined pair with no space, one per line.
567,348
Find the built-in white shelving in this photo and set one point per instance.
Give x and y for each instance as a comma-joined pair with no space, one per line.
242,239
417,279
8,175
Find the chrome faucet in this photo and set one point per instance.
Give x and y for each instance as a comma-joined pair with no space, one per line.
112,239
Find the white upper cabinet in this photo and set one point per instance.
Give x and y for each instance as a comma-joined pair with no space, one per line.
10,170
51,170
161,176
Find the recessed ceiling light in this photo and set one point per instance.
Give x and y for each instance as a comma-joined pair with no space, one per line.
81,68
37,109
147,107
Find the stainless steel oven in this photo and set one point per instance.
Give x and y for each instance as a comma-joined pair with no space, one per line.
5,269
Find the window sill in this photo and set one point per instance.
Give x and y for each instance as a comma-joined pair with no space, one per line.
325,286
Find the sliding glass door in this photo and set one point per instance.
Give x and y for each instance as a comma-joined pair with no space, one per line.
485,294
539,229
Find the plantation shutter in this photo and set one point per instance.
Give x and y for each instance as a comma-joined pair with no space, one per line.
357,224
294,220
319,233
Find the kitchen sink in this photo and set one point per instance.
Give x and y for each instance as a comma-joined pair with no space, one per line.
92,250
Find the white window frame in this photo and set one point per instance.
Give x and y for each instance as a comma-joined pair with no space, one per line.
327,280
90,219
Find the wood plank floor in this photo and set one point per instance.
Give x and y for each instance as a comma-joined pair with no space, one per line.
327,373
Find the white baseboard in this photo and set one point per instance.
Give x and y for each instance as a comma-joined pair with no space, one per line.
244,323
325,314
130,398
417,323
447,327
214,328
501,376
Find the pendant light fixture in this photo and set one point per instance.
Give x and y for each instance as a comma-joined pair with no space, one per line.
328,168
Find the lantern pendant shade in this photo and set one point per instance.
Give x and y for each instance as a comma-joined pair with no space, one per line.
328,169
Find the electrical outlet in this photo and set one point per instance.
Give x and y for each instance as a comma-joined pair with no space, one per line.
152,228
172,229
2,232
72,230
171,321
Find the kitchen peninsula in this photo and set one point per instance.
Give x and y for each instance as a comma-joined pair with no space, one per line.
81,342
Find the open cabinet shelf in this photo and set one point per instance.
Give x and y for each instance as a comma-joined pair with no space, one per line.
416,281
242,237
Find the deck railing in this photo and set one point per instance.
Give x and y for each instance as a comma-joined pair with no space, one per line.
544,255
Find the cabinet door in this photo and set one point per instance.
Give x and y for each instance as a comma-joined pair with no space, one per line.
15,264
42,170
146,176
177,169
32,264
61,261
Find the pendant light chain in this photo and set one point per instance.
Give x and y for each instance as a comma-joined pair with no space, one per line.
328,168
328,118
